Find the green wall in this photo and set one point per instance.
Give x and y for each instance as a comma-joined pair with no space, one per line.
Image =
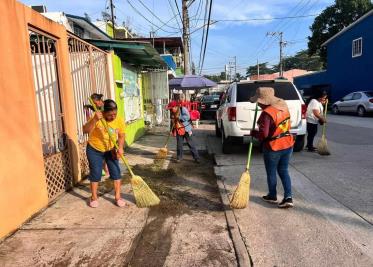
136,129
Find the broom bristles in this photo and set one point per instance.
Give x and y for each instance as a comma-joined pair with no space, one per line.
241,194
144,196
162,153
322,147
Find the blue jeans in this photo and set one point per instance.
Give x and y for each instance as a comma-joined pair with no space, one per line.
96,161
190,143
278,162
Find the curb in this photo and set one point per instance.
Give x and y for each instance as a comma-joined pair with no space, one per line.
243,257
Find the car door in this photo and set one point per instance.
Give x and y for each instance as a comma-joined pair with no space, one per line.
343,105
355,101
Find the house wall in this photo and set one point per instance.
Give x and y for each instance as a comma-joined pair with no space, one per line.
22,179
136,129
348,74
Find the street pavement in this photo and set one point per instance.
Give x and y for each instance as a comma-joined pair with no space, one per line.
331,224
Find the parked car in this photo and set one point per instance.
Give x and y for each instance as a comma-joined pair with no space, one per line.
208,106
234,118
357,102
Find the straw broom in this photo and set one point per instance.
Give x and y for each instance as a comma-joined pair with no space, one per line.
241,194
144,196
322,147
163,152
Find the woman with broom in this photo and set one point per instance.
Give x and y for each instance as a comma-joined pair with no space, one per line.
274,133
101,149
182,129
314,116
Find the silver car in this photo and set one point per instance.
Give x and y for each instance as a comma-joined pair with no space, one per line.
356,102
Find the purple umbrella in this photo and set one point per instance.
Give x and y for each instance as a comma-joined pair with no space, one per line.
190,82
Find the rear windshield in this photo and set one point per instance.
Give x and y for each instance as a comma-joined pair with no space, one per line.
369,94
208,98
283,90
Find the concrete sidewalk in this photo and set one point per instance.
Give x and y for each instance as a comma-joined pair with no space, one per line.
193,233
319,231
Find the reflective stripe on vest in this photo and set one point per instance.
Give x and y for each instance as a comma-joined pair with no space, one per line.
281,138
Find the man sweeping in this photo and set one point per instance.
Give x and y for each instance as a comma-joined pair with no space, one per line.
274,133
314,117
182,129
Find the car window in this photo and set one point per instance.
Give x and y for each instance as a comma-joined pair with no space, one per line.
356,96
208,98
347,97
369,94
283,90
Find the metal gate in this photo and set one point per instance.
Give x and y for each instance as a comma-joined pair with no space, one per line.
56,155
89,72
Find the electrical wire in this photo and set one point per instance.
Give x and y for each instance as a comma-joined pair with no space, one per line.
203,36
154,15
207,35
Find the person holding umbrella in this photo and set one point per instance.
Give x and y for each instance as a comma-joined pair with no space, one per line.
274,133
182,129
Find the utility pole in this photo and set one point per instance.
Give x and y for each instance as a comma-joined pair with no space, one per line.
186,36
226,72
235,67
112,17
282,45
257,64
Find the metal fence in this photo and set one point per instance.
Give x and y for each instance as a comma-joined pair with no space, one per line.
89,72
57,163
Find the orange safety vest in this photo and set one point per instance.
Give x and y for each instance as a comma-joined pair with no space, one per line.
281,138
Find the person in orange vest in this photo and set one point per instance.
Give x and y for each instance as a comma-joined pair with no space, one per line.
274,133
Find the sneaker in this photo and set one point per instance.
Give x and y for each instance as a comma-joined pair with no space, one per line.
197,161
286,203
312,149
270,199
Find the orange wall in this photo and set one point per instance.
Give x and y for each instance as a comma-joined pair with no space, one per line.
22,181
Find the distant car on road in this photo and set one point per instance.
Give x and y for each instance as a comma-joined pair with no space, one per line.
357,102
234,118
208,106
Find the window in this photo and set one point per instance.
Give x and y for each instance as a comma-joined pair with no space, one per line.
357,47
78,30
369,94
347,97
356,96
284,90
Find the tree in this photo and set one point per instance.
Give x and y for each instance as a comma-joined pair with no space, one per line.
332,20
216,77
263,68
301,60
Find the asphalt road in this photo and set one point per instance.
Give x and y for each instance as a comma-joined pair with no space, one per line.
332,222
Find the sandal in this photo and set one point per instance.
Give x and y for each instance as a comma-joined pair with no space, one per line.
120,203
93,203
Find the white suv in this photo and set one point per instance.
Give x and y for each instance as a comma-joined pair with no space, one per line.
234,118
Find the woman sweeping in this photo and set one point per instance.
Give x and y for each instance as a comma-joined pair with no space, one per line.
100,149
274,133
182,129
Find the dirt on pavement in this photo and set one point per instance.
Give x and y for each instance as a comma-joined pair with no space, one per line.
188,228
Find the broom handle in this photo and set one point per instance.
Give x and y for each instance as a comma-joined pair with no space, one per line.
325,111
168,137
104,122
252,138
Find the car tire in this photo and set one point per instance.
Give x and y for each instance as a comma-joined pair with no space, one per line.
299,143
226,146
335,110
361,111
217,130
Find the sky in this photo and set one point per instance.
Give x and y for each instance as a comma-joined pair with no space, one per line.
247,41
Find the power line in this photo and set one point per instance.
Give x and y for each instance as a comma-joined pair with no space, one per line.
263,19
175,14
139,13
203,36
151,12
207,35
178,10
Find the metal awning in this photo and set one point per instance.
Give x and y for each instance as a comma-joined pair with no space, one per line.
140,54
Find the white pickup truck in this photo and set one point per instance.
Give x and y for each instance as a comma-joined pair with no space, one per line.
234,118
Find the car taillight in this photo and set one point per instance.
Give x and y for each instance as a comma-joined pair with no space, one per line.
304,111
371,100
232,113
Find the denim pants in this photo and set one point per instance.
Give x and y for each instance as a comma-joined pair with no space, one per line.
311,133
278,162
96,159
190,143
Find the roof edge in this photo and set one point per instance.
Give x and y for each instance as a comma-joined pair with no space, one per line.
348,27
90,23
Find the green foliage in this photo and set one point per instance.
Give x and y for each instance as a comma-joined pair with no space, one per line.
332,20
301,60
216,78
263,68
